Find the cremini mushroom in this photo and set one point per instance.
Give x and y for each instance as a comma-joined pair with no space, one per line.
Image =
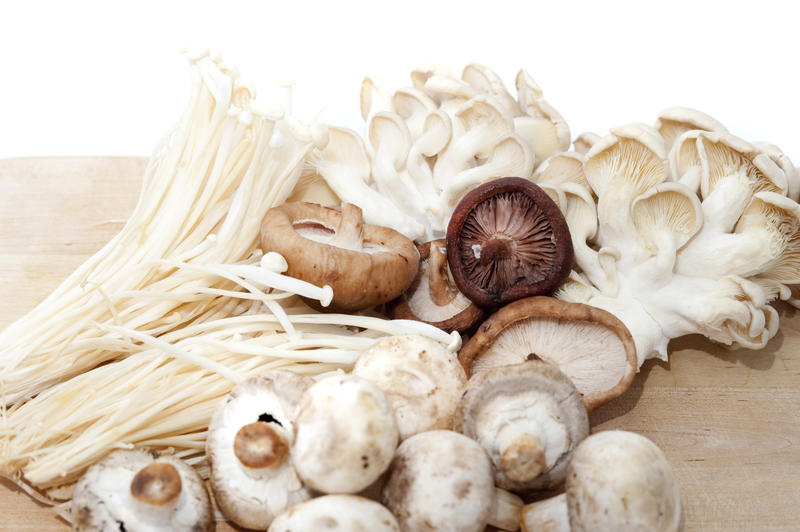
365,265
617,480
507,240
433,296
345,434
528,418
247,448
422,379
141,491
442,481
591,346
336,513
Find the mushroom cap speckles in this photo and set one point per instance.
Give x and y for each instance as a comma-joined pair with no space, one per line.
421,378
345,434
336,513
507,240
440,480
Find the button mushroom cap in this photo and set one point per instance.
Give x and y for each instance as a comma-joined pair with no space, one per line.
422,379
342,513
345,434
366,265
142,491
528,418
247,448
591,346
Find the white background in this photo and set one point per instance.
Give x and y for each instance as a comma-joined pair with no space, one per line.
106,78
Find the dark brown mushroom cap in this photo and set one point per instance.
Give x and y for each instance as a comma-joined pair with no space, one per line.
507,240
377,266
432,298
591,346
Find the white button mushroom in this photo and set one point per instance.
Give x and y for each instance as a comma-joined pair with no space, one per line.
345,434
336,513
248,449
141,491
421,378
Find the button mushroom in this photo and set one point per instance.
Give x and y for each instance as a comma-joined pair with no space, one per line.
528,418
342,513
507,240
433,296
617,480
591,346
345,434
139,490
248,449
442,481
422,379
366,265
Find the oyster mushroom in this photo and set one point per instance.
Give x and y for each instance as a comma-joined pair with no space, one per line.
139,490
442,481
591,346
365,265
342,513
248,449
528,418
507,240
345,434
617,480
422,379
433,296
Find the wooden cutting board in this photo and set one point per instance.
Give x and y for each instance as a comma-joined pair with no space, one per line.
729,421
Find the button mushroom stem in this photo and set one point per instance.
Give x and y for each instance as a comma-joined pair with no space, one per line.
156,485
350,231
441,288
259,446
523,459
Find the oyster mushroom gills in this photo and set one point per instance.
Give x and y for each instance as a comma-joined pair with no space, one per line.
248,445
365,265
433,296
591,346
507,240
141,491
336,513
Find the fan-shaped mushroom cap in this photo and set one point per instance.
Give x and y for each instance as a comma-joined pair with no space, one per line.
584,142
142,491
345,434
675,121
542,126
591,346
336,513
247,448
528,417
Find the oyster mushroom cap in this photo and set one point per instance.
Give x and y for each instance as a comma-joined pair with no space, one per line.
433,296
345,434
507,240
247,448
139,490
342,513
421,378
591,346
528,418
365,265
675,121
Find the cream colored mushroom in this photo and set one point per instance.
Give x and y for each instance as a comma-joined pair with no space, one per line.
675,121
584,142
336,513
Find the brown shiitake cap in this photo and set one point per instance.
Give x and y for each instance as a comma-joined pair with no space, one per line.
507,240
433,297
591,346
366,265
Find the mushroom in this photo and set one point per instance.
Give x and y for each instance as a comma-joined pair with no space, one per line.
365,265
345,434
342,513
142,491
248,449
422,379
528,418
442,481
433,297
507,240
584,142
675,121
591,346
617,480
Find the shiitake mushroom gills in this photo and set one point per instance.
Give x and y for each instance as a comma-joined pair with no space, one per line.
507,240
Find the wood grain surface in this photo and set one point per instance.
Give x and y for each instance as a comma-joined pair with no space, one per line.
729,421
